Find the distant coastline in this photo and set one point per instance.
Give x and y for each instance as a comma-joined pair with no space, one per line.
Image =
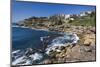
59,22
31,28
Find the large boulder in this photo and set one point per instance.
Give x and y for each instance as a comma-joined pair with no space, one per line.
89,39
87,42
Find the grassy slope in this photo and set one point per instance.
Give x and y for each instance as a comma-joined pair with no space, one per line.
84,21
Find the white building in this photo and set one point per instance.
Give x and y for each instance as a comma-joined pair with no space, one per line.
71,18
83,14
67,16
89,12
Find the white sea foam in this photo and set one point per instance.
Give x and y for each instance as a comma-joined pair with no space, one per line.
53,47
40,29
24,60
36,56
62,41
42,38
20,26
57,42
75,39
16,51
15,26
31,28
28,62
19,60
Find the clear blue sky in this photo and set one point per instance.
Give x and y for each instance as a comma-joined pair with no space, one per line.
22,10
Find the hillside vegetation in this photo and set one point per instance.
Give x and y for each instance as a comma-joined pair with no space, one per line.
89,20
56,22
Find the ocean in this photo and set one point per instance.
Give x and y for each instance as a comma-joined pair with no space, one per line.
24,38
28,38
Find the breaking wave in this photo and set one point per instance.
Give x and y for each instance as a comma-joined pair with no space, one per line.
20,58
63,41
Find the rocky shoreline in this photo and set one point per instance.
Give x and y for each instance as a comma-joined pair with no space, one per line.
84,50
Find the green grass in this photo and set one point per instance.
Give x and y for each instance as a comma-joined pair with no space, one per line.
84,21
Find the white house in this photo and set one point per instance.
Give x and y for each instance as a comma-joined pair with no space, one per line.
67,16
83,14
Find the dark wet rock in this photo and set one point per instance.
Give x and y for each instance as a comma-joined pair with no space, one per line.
62,47
57,47
52,54
51,51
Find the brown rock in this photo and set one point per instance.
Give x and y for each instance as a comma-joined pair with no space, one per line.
75,51
86,48
47,61
62,48
89,39
93,30
87,42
